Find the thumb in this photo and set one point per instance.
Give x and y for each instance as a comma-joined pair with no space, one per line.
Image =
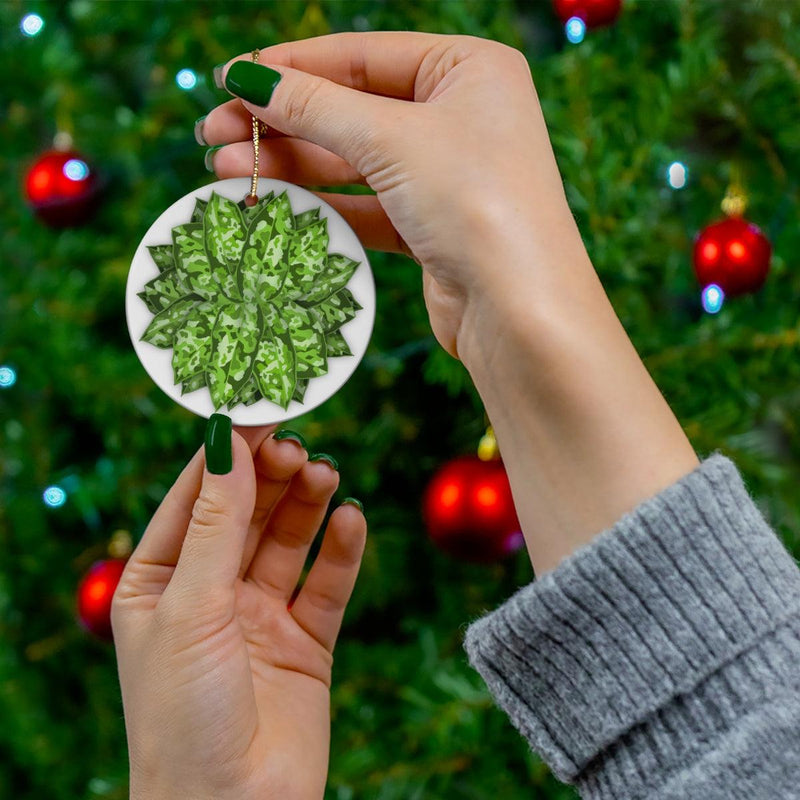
344,121
212,551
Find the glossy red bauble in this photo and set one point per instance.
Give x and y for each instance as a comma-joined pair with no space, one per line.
734,254
469,510
95,593
62,188
594,13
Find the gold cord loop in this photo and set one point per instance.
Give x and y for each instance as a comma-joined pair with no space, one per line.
258,128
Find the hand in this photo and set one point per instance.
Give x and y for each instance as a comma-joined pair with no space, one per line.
225,685
465,176
467,183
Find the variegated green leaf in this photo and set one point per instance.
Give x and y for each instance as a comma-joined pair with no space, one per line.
306,218
249,212
336,344
199,210
300,390
308,340
263,265
247,394
274,367
194,383
191,349
162,291
164,325
191,262
306,255
235,338
336,274
224,235
273,319
163,256
224,232
337,310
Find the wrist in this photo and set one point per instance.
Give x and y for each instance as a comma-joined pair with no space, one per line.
584,432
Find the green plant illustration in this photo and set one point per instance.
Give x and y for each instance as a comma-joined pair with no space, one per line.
250,300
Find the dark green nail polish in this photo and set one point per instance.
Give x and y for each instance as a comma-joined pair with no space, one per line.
209,158
287,434
218,75
325,457
353,502
198,131
219,455
252,82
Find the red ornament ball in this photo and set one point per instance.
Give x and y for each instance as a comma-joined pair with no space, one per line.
95,593
595,13
469,511
733,254
62,188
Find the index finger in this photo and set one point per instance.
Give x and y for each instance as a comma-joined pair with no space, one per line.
379,62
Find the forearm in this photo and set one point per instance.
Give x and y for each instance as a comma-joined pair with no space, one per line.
583,430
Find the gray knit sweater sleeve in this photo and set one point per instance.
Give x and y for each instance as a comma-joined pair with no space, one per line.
662,660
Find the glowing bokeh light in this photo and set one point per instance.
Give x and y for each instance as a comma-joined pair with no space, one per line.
76,170
713,298
54,496
677,175
31,24
186,79
710,251
449,495
487,496
575,30
737,250
8,377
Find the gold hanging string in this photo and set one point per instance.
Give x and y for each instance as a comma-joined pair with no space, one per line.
252,198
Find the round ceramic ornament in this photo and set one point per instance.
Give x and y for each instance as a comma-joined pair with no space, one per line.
258,310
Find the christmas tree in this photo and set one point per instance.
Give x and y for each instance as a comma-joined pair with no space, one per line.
653,118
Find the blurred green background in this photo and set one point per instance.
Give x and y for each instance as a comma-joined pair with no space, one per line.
715,85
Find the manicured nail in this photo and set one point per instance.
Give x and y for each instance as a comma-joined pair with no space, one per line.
252,82
353,502
219,456
287,434
325,457
198,132
209,158
218,76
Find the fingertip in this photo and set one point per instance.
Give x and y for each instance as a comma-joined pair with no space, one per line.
348,525
280,459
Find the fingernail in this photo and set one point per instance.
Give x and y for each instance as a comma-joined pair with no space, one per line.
325,457
198,132
209,157
287,434
218,76
219,455
252,82
353,502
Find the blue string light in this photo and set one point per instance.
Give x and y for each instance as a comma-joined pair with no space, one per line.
8,377
76,170
713,298
677,175
54,496
31,25
575,30
186,79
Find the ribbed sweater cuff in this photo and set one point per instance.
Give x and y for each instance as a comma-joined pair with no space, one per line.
595,661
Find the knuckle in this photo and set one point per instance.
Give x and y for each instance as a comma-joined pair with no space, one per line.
207,516
326,601
301,107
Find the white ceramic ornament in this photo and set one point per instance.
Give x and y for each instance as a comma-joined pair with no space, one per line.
259,312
